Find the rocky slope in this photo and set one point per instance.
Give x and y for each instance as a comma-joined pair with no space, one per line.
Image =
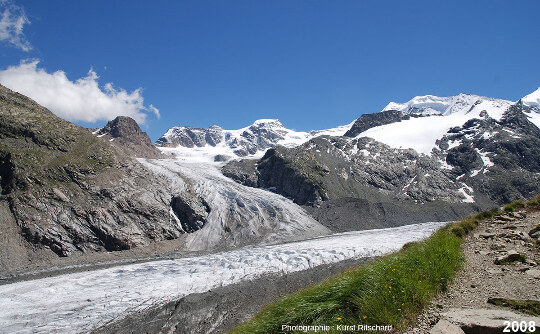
359,183
66,192
499,159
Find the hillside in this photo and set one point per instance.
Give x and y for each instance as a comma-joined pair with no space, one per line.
66,192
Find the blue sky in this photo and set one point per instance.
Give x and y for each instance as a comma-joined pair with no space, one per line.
313,64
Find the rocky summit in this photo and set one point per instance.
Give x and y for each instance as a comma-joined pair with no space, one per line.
125,133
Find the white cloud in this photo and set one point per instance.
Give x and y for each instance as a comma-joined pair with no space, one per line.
80,100
12,21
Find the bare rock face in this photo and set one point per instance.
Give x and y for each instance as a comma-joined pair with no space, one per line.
242,171
190,212
368,121
125,133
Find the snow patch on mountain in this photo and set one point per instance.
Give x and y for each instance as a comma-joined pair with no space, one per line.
337,131
440,115
466,191
533,99
428,105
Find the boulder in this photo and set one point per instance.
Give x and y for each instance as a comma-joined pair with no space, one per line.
534,273
59,195
485,320
535,232
511,256
446,327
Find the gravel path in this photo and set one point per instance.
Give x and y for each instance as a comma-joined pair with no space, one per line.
481,278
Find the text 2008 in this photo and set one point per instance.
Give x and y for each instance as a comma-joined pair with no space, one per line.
521,326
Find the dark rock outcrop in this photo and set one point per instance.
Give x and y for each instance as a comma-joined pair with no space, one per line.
125,133
368,121
242,171
190,212
500,159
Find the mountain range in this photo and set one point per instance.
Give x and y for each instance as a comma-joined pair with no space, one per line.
74,192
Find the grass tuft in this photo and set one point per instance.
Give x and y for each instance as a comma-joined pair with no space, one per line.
534,202
512,259
510,207
531,307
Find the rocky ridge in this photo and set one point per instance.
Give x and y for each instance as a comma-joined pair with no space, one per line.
259,136
248,141
125,133
368,121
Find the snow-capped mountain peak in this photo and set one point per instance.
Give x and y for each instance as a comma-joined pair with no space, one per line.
268,122
218,144
434,105
532,100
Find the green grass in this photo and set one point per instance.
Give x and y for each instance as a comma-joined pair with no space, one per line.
513,259
531,307
388,290
464,226
533,202
513,206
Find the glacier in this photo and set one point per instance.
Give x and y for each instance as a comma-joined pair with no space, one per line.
82,301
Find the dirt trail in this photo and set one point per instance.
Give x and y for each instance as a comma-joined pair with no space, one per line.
481,278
